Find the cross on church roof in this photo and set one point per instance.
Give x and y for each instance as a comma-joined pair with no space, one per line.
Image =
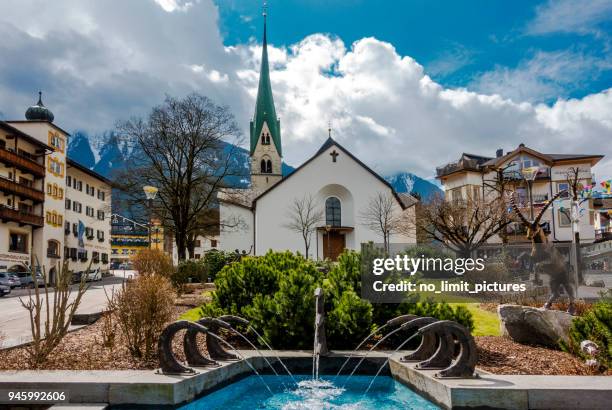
334,154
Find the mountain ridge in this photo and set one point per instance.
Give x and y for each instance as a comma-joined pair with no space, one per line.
112,157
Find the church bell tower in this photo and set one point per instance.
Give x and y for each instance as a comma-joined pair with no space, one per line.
266,151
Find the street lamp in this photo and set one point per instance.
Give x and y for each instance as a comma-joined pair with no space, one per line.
529,174
150,194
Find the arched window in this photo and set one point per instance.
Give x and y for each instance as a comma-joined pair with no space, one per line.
263,166
269,167
265,138
333,212
53,249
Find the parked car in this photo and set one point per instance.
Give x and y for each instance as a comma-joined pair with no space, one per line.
27,281
76,276
126,266
16,280
94,275
8,279
4,290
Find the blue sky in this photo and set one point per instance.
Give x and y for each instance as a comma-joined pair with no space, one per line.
421,81
456,41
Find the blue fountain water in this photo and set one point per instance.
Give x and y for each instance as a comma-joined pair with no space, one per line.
325,393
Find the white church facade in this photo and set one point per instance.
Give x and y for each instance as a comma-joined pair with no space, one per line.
342,188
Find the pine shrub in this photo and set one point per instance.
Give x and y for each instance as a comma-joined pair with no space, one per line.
596,326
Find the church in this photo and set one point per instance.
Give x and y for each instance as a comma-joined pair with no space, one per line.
340,188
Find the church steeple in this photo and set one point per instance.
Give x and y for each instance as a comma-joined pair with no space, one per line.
264,106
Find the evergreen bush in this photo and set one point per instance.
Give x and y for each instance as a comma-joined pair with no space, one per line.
596,326
276,293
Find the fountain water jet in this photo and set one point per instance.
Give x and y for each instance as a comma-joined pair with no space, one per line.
260,337
397,320
227,326
369,351
387,361
320,343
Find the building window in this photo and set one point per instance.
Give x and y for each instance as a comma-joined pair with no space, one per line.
68,203
95,256
213,243
68,180
265,139
563,186
82,255
53,249
56,141
67,228
101,195
564,219
100,235
77,207
105,258
75,229
79,186
18,242
100,215
266,166
89,211
56,167
333,212
197,256
197,243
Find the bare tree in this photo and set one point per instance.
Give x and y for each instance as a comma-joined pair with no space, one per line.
382,215
54,309
462,225
304,216
187,148
495,188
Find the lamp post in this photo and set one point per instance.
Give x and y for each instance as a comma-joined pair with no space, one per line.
150,194
529,174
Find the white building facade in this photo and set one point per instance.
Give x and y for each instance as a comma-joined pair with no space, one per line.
34,198
474,176
340,185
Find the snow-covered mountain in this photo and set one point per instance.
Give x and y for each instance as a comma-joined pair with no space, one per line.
112,155
409,183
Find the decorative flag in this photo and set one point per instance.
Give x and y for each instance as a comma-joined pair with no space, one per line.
81,234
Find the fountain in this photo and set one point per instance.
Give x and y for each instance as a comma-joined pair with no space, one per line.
320,342
436,350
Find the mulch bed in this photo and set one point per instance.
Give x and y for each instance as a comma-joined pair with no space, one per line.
83,350
500,355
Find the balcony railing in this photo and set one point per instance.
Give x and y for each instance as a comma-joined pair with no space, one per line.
514,174
22,163
23,191
22,217
461,165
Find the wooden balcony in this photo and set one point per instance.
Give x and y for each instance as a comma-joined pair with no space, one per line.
23,218
22,163
20,190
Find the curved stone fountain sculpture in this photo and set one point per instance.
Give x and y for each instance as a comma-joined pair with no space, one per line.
429,341
464,364
168,362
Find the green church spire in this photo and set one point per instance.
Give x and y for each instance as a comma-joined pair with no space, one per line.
264,106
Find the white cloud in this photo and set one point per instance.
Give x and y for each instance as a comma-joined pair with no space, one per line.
99,64
175,5
544,76
392,115
570,16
